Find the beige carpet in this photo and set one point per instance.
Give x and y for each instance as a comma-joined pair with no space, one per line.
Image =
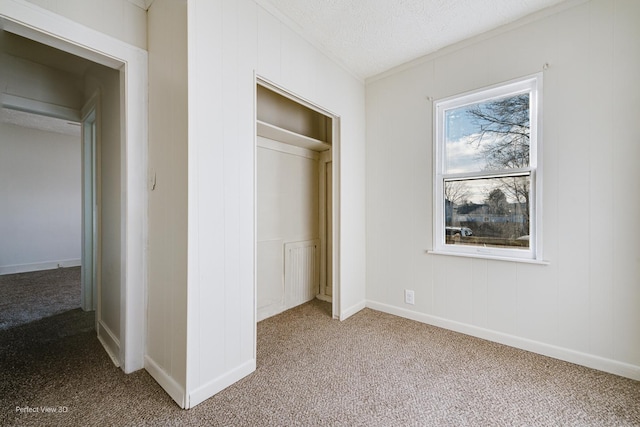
373,369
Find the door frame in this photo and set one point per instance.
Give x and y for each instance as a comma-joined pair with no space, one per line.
33,22
90,131
326,189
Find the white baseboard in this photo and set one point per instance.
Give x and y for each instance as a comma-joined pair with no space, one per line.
110,342
267,311
325,298
171,386
39,266
345,314
271,310
207,390
579,358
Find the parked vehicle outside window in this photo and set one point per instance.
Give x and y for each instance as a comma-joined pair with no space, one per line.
460,231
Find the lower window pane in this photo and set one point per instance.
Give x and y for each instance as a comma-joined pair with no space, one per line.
491,212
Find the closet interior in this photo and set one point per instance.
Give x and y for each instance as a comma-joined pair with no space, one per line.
294,202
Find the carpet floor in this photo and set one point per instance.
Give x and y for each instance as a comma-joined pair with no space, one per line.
35,295
373,369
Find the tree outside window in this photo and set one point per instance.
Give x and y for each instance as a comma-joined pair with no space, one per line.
487,173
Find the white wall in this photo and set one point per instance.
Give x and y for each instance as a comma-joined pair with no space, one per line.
287,211
583,306
228,40
122,19
286,59
33,81
40,192
166,354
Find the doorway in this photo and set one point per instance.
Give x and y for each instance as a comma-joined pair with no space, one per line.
40,217
295,196
66,177
126,312
50,159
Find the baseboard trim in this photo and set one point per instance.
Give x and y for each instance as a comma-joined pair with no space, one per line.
579,358
171,386
110,342
352,310
39,266
268,311
325,298
209,389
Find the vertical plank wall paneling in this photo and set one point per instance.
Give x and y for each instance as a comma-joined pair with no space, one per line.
233,167
601,182
118,18
230,41
166,346
583,305
626,176
572,187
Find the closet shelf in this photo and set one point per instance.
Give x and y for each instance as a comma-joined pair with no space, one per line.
276,133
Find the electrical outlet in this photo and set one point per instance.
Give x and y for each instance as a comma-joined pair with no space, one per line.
409,297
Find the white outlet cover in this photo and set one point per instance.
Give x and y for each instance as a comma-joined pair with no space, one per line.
409,296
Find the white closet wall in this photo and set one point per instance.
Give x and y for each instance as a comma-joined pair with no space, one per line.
288,198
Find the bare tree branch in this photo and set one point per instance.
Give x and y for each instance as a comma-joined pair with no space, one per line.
456,192
503,141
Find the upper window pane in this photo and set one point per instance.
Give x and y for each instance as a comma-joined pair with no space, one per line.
488,135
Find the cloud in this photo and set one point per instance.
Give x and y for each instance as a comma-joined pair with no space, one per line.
464,155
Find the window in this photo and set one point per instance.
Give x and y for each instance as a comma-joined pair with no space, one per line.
487,172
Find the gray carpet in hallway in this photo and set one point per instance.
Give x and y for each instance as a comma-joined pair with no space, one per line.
25,297
373,369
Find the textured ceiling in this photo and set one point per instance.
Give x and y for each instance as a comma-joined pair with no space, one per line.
372,36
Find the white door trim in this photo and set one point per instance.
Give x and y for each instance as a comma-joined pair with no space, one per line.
31,21
89,266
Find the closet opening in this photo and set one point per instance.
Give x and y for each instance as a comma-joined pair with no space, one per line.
296,188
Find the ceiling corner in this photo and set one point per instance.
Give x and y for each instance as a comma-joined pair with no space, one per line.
142,4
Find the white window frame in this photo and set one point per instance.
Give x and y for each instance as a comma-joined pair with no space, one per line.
533,85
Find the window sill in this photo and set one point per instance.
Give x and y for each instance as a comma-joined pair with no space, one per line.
490,257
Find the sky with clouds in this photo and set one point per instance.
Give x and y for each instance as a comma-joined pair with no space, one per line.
463,152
